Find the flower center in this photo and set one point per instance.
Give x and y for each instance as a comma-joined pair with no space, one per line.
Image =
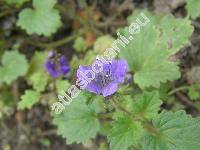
105,77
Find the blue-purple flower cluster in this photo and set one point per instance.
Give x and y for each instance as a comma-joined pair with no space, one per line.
104,75
103,78
57,66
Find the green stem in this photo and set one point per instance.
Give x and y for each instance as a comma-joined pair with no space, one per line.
150,128
56,43
178,89
105,115
119,107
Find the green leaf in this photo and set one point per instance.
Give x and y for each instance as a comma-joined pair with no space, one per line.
147,105
79,44
124,133
62,85
163,92
17,3
78,122
102,43
192,7
6,98
150,61
28,99
37,62
14,65
39,81
170,29
38,4
42,20
173,131
194,91
172,35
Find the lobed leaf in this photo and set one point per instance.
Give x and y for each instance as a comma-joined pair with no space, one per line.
79,44
124,133
149,51
194,91
62,85
42,20
192,7
78,122
147,105
28,99
39,81
49,4
10,61
173,131
37,62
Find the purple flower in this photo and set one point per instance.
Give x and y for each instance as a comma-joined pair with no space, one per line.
56,67
106,81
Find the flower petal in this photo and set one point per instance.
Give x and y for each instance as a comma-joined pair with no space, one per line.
63,61
94,87
110,89
50,67
64,66
82,69
64,69
119,69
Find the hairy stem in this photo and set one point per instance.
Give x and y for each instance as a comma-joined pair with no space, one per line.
119,107
150,128
105,115
56,43
178,89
